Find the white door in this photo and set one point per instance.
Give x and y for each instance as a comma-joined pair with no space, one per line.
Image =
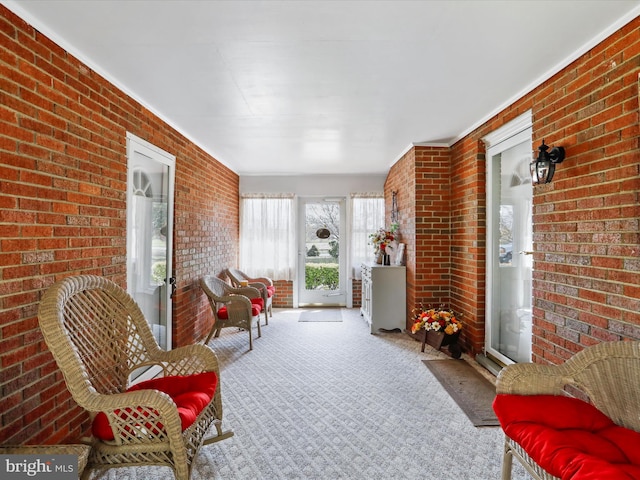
321,256
150,183
509,244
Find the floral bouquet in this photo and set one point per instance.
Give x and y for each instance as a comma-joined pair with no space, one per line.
438,320
383,238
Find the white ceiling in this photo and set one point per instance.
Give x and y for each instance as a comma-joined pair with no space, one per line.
321,86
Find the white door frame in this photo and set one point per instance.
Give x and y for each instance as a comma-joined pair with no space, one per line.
328,298
513,133
138,146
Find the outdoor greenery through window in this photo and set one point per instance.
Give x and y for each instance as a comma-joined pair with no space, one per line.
267,237
322,244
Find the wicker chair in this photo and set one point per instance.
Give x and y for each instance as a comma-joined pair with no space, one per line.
98,337
606,374
264,284
232,307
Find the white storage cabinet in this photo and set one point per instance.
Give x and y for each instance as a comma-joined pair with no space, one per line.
384,295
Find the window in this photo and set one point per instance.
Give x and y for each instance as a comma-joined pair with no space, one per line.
367,214
267,236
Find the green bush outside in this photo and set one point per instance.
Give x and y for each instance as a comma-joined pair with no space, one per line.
159,273
324,276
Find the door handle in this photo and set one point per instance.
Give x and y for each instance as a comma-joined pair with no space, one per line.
172,282
526,252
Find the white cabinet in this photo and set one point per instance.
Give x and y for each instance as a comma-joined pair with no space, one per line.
384,296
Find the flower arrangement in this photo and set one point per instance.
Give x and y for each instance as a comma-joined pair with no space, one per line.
383,238
438,320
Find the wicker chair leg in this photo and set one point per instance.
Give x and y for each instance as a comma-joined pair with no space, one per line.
220,434
250,338
209,336
507,461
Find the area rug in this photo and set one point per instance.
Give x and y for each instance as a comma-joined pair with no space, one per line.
321,315
472,392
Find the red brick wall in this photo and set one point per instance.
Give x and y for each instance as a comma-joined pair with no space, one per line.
63,211
402,179
587,236
356,293
283,297
586,222
433,225
468,229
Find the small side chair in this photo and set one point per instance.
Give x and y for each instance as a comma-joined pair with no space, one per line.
232,307
264,284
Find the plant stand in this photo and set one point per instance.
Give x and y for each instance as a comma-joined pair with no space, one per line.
440,339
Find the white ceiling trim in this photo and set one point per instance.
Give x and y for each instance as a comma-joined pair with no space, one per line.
552,71
16,8
21,11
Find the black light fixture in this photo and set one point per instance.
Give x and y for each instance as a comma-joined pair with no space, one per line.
543,167
394,207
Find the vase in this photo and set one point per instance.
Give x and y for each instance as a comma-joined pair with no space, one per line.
379,256
440,339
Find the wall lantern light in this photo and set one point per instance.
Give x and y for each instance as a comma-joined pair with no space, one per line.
543,167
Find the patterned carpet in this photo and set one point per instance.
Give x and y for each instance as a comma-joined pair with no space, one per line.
328,400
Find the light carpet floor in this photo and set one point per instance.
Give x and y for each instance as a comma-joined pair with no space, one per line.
328,400
320,315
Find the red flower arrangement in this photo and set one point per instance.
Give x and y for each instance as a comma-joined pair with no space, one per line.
438,320
383,238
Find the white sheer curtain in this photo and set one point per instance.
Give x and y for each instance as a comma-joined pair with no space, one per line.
367,216
267,236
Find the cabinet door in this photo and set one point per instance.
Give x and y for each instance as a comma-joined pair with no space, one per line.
388,298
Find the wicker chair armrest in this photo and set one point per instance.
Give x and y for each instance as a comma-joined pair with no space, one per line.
249,292
532,379
187,360
259,285
238,302
140,414
265,280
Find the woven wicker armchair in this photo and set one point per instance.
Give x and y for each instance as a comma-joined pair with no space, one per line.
264,284
606,374
98,337
232,307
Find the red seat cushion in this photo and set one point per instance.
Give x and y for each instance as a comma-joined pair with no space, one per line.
255,311
258,301
191,394
569,438
270,290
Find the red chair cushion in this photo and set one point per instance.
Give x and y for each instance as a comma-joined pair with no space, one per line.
270,290
258,301
191,394
569,438
255,311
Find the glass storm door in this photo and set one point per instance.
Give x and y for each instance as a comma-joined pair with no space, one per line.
321,264
150,234
509,249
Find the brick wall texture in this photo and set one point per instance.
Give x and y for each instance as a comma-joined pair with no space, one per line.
63,211
586,222
63,174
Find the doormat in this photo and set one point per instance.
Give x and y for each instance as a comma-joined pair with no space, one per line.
321,315
472,392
